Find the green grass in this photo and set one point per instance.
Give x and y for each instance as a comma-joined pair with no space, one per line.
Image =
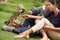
6,11
4,35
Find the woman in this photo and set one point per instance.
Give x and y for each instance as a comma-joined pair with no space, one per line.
45,24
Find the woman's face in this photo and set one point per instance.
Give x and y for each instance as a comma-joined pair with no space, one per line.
46,6
49,6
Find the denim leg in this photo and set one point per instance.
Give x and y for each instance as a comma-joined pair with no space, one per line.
27,22
19,30
32,22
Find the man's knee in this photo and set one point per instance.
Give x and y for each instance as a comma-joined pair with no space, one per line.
36,21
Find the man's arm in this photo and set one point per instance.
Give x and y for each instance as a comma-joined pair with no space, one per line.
36,17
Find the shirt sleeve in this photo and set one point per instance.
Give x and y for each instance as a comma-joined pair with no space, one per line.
41,10
59,13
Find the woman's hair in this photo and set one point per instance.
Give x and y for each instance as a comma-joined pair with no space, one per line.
52,1
55,2
58,4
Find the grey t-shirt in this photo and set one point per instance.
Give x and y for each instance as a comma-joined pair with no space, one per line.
41,10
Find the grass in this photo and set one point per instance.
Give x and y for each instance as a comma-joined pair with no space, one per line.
6,11
4,35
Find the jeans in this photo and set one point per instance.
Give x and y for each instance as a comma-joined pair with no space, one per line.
27,22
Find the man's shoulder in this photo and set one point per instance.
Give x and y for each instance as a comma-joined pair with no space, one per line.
41,7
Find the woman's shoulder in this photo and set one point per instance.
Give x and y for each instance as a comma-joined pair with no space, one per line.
59,12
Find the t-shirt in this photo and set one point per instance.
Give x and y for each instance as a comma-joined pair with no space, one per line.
41,10
54,19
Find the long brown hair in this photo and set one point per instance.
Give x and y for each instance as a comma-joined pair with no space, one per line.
58,4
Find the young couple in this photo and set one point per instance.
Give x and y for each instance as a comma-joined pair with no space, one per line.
50,27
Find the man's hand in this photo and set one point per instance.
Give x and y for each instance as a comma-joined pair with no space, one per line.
26,16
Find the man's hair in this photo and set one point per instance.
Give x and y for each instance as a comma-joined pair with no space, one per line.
52,1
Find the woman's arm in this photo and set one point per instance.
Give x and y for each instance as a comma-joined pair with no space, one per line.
52,28
35,17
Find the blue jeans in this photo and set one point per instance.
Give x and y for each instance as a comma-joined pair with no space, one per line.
27,22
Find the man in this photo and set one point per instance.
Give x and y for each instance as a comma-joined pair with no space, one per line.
31,21
27,22
55,18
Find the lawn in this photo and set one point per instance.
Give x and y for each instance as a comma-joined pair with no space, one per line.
6,11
